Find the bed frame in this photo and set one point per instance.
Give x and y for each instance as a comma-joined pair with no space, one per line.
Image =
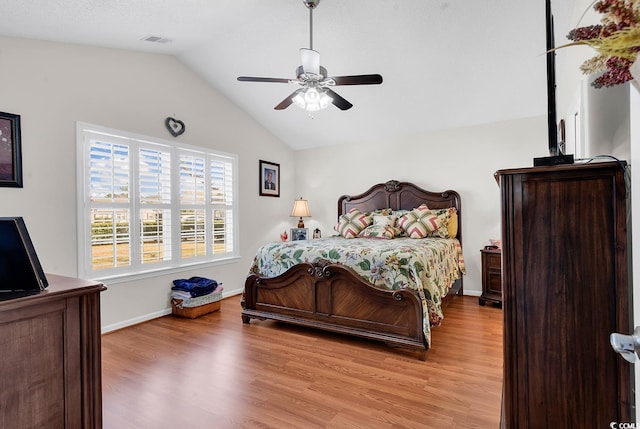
334,298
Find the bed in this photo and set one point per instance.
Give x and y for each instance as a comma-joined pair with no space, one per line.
328,284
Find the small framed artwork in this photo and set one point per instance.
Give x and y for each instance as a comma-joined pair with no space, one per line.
10,151
299,234
269,179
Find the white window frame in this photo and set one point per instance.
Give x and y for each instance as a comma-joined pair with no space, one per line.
137,269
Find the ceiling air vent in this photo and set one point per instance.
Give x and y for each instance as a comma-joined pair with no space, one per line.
156,39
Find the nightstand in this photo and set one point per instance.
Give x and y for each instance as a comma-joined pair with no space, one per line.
491,276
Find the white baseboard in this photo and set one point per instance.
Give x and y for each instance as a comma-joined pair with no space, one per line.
154,315
135,320
164,312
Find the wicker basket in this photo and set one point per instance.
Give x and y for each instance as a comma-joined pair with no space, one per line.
196,307
193,312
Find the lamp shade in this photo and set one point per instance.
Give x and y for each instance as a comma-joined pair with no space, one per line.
300,209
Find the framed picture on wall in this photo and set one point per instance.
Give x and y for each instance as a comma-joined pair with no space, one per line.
269,179
299,234
10,151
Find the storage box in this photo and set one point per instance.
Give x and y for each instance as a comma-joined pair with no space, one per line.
196,307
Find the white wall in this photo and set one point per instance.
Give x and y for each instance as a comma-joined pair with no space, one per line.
462,159
608,127
604,112
53,85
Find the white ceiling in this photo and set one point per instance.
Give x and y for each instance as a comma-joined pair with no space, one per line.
445,63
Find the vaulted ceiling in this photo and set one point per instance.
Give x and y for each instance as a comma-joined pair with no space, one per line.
445,63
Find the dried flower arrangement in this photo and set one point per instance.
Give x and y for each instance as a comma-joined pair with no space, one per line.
617,40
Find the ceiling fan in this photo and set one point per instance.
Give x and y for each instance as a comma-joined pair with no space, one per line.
315,92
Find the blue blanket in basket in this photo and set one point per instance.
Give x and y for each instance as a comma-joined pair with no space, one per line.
196,286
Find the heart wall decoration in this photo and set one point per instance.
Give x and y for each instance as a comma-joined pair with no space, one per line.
175,126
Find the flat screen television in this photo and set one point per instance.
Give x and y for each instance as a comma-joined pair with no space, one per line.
20,270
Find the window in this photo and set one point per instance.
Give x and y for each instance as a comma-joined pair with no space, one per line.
146,205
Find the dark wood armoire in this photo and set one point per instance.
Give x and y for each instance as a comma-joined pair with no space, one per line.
566,288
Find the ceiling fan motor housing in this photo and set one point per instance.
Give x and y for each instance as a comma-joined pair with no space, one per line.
300,74
311,4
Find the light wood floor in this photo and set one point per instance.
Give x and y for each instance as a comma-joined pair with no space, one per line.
215,372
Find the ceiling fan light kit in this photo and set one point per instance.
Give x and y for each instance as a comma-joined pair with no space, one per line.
314,93
312,100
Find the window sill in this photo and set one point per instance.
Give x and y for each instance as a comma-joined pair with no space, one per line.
163,271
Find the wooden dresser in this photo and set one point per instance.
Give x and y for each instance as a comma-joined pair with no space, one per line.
565,290
50,370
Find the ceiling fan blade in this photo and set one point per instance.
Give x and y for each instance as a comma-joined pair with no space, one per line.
287,101
310,60
338,101
262,79
363,79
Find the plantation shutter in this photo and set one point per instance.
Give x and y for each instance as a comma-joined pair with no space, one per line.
146,204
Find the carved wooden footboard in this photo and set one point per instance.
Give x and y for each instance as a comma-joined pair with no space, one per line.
333,298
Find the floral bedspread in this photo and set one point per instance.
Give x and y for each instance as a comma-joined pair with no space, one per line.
428,265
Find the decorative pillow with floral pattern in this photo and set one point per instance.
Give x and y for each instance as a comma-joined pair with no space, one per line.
445,230
381,212
388,221
351,223
399,213
379,231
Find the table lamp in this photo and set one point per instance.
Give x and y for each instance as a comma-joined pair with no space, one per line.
300,209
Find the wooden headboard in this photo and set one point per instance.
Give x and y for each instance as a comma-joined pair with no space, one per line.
400,196
403,196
